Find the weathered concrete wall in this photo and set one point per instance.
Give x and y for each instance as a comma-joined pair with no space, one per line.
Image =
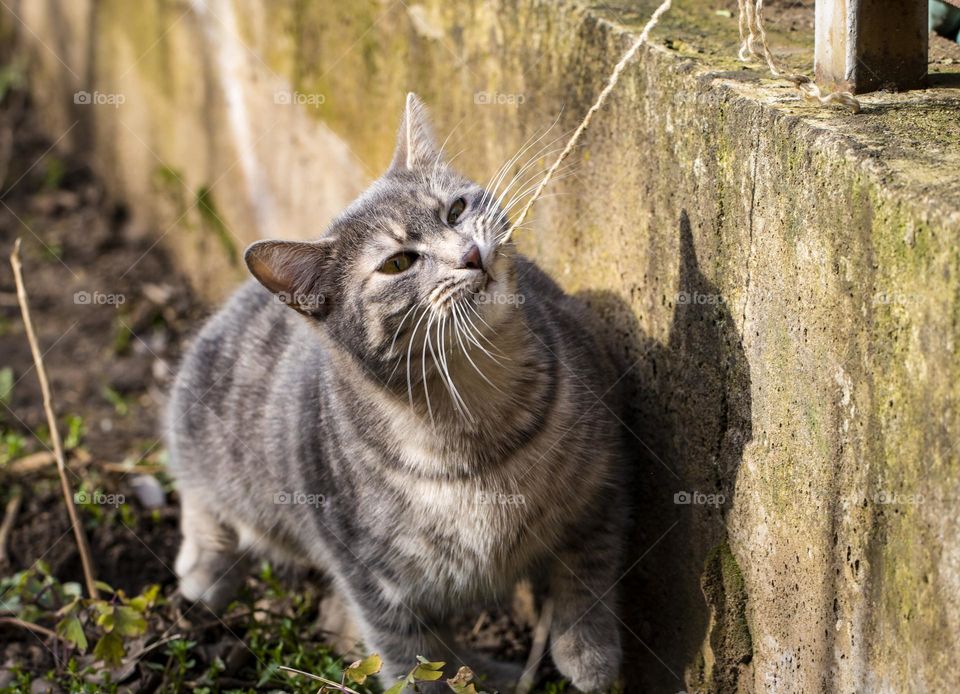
784,280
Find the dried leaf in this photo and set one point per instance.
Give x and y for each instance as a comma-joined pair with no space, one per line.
361,669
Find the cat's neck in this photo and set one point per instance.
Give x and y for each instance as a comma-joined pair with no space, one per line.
502,389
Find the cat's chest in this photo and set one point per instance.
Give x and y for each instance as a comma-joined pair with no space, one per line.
490,521
475,522
466,537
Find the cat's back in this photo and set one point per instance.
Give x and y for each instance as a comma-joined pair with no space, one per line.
236,339
222,388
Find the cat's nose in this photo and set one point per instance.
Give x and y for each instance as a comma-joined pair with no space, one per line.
471,260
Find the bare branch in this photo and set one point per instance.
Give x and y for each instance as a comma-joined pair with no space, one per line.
81,537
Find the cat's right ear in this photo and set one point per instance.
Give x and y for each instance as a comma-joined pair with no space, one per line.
298,272
416,146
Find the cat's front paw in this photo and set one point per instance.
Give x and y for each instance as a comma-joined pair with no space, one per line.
589,658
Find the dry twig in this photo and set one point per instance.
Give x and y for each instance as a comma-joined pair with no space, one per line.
340,687
81,537
6,526
13,621
31,463
537,648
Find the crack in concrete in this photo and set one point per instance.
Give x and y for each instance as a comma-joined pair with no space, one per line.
753,197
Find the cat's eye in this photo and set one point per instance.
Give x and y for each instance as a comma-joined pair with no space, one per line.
456,209
398,263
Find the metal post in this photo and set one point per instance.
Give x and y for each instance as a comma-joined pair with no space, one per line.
866,45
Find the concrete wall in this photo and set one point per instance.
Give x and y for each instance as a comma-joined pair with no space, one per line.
784,280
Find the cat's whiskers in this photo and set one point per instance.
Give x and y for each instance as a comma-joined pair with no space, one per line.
436,291
410,354
442,296
458,329
403,320
473,336
532,141
450,330
484,321
511,398
521,173
489,188
497,178
423,365
566,171
397,334
470,332
491,210
452,387
437,159
531,158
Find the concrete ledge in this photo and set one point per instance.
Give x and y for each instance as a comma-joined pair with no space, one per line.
784,279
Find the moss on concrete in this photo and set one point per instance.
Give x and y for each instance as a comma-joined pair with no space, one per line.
728,647
213,223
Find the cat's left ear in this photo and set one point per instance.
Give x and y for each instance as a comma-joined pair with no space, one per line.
416,146
300,273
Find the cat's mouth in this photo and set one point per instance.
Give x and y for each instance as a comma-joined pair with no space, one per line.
454,290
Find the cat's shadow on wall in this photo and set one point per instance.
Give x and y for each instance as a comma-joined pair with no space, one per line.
688,422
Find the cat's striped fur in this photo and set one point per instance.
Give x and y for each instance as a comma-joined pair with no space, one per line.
438,433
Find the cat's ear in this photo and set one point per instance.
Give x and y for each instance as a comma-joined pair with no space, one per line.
298,272
416,146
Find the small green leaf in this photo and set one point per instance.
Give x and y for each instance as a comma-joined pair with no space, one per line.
109,649
425,674
268,673
71,630
72,589
361,669
6,385
107,618
397,688
104,587
141,603
128,622
435,665
115,399
75,431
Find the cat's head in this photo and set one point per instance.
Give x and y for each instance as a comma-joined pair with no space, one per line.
413,264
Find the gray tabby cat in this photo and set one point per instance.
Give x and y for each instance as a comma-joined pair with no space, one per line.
433,421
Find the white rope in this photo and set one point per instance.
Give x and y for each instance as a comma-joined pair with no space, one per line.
751,30
611,83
